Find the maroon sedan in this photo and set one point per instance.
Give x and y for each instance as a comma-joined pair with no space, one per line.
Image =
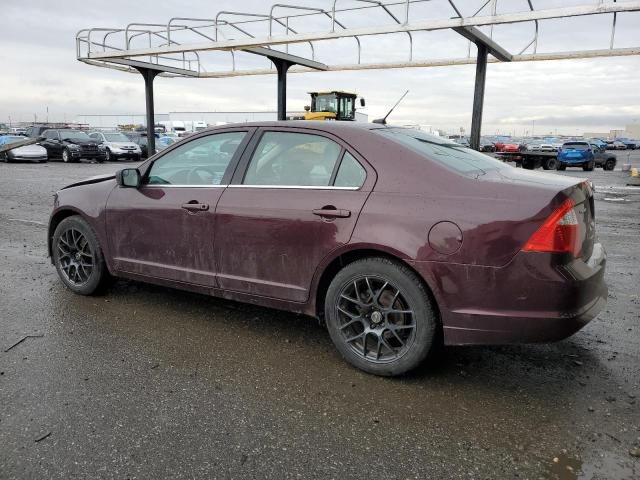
397,239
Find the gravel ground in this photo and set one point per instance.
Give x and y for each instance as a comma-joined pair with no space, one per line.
149,382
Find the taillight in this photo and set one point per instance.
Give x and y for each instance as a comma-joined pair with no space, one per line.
558,234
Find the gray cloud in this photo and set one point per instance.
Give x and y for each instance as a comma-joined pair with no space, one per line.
40,70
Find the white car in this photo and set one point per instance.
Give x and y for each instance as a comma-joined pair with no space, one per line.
117,145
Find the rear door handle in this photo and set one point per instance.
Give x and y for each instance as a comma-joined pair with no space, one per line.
195,207
331,213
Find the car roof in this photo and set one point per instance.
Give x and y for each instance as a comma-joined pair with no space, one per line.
308,124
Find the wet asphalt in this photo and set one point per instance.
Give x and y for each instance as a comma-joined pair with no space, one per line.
149,382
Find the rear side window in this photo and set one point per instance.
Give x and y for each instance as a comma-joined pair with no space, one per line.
292,159
350,173
445,152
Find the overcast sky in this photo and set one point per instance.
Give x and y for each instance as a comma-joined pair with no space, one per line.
39,69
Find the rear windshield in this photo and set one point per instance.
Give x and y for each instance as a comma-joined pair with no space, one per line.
447,153
576,146
73,135
116,137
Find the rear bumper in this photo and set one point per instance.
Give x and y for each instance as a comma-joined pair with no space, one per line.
537,297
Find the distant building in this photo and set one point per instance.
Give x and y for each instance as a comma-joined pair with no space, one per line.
633,130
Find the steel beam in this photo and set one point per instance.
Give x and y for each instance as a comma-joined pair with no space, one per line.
149,75
282,66
287,57
478,96
153,66
477,37
425,25
618,52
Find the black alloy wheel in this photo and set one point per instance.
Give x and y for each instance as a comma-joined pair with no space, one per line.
78,257
380,316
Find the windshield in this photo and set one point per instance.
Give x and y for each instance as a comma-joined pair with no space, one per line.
116,137
447,153
73,135
327,103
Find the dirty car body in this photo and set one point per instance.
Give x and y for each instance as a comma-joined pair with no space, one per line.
225,213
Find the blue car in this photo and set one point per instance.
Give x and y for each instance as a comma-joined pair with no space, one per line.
579,153
576,154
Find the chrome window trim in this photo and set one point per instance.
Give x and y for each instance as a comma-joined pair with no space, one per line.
298,187
156,185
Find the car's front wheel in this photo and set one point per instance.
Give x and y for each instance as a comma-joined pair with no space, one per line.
107,155
78,257
380,316
66,156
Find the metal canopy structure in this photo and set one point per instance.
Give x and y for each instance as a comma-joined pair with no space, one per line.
218,47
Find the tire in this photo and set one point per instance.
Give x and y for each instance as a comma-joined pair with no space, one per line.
360,296
561,166
588,167
107,155
5,158
549,164
78,257
66,156
528,164
609,165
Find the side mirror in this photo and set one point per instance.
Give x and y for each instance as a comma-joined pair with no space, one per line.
362,102
128,178
307,108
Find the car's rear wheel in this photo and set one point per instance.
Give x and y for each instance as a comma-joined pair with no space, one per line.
588,167
78,257
380,316
561,166
609,164
549,164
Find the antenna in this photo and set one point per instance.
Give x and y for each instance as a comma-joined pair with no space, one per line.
383,121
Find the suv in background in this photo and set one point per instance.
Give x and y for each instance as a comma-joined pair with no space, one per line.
586,155
71,145
140,139
117,146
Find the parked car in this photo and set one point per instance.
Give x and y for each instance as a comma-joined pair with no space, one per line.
586,155
616,145
26,153
312,217
513,146
117,146
629,144
71,145
487,145
140,139
35,131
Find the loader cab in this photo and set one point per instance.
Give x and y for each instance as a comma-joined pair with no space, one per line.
333,105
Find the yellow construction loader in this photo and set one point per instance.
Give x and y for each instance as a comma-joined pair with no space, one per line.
332,105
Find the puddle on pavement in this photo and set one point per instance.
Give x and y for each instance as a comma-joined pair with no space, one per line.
604,465
565,467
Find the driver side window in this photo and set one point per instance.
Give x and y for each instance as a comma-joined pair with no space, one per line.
199,162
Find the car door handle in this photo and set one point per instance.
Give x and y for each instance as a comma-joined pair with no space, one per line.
195,207
331,213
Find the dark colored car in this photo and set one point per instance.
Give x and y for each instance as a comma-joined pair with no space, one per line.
71,145
140,139
394,237
35,131
586,155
